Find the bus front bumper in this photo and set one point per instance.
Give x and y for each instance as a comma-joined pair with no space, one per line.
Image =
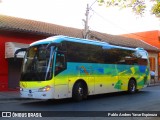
36,94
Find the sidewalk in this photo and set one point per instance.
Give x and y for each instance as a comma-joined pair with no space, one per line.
154,83
10,95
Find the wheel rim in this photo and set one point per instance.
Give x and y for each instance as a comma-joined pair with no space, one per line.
80,91
133,87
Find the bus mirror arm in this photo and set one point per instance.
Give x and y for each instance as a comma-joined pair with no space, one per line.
19,50
60,51
53,44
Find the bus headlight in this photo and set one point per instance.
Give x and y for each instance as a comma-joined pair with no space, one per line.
44,89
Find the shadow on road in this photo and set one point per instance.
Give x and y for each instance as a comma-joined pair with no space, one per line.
90,99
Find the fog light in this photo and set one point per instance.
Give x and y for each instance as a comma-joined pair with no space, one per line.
21,89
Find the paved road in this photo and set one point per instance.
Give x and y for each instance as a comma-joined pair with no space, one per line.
146,100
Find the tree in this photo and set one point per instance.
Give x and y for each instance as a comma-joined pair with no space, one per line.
138,6
156,9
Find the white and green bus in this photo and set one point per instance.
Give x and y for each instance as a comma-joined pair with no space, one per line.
64,67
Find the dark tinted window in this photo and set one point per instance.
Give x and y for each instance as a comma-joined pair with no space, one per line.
60,63
87,53
78,52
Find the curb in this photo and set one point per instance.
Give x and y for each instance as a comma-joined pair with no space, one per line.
151,85
16,99
11,99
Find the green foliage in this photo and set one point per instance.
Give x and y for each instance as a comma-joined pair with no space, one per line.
138,6
156,9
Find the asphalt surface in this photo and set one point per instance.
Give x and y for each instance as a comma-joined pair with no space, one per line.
148,100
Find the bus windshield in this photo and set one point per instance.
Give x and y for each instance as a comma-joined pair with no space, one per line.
38,64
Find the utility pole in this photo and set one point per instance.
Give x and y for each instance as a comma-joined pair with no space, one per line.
86,27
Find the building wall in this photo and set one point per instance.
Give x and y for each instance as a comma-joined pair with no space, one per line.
6,36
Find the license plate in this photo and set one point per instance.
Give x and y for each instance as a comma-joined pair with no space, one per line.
30,95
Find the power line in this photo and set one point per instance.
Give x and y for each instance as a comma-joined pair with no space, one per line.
108,21
86,21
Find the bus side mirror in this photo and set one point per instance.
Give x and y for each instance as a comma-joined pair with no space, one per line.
19,50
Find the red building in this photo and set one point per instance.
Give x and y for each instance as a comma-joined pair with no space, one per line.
17,32
8,66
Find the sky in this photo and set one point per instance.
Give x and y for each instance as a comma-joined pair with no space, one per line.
71,13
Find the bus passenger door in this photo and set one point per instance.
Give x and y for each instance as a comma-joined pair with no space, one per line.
60,77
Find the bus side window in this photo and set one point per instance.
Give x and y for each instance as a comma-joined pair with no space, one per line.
60,63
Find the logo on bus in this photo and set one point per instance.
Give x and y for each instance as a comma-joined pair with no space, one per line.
24,85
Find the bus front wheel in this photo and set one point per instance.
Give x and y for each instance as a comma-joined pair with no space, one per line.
78,91
132,86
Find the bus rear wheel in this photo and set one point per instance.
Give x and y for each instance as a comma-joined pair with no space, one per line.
132,86
78,91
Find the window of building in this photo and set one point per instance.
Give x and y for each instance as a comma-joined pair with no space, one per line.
152,63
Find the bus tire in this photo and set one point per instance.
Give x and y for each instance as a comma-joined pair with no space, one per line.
78,91
132,86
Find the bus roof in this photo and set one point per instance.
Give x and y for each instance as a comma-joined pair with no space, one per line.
60,38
